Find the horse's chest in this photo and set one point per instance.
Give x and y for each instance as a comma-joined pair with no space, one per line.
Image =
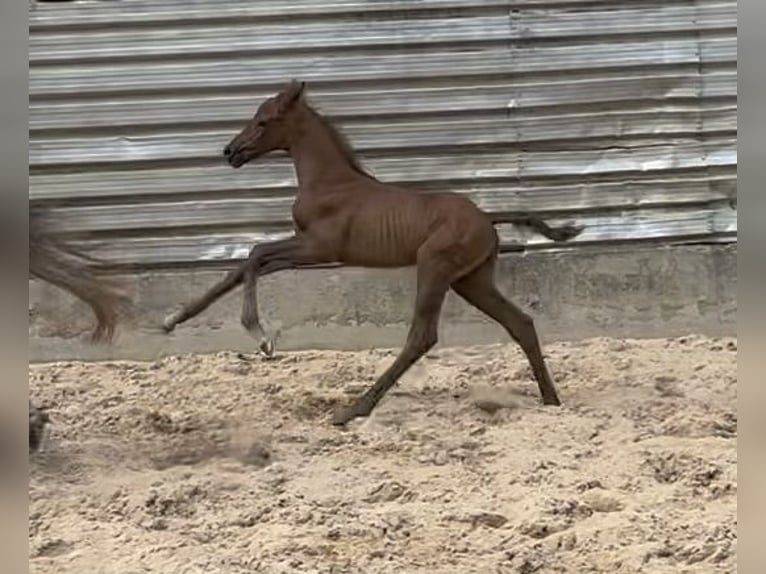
309,212
301,215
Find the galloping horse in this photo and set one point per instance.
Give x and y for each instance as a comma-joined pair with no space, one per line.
343,215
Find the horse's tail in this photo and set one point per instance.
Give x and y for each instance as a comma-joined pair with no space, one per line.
558,234
53,260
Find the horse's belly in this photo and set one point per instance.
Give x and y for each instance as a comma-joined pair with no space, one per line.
367,253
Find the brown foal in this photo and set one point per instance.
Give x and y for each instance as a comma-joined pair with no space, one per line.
343,215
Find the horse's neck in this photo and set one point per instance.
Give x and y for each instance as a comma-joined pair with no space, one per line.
318,159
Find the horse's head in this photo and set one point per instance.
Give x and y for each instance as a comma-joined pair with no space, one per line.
269,129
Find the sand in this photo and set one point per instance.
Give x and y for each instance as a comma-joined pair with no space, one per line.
228,463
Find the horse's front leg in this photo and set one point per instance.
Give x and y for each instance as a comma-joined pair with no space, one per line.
250,317
229,282
300,257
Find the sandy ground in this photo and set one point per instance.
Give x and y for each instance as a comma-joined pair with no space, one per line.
228,463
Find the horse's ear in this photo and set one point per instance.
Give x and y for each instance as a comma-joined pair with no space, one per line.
291,94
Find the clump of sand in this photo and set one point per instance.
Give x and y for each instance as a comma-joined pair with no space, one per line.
228,463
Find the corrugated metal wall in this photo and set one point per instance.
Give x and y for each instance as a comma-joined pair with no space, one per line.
621,115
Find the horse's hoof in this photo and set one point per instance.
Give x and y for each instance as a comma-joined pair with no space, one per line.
345,415
102,336
552,402
342,416
38,419
267,347
169,324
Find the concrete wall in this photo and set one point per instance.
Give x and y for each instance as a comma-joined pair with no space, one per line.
637,291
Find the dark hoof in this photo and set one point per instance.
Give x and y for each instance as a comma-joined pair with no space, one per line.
344,415
267,347
38,418
554,402
101,337
568,232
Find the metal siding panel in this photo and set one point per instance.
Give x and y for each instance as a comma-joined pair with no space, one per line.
412,169
393,134
172,13
620,114
147,110
655,224
245,72
398,64
271,209
236,39
670,18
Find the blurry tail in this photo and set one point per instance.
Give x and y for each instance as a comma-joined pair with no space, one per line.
561,233
53,260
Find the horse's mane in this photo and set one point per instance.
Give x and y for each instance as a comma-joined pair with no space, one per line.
341,142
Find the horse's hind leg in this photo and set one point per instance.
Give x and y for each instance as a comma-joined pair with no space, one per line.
421,338
478,288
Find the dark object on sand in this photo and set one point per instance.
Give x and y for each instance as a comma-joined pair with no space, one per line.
38,418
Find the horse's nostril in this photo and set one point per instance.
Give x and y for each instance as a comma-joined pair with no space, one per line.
226,151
